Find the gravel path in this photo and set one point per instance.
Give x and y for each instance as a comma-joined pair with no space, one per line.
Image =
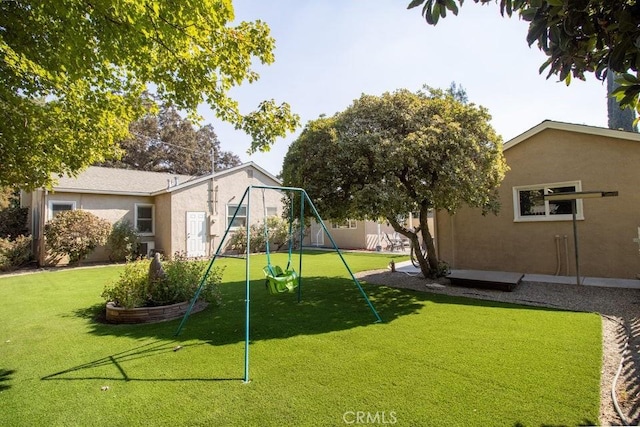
619,309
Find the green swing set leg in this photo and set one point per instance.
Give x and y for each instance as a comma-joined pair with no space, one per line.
247,194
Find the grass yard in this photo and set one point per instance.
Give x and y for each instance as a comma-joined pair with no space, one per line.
435,360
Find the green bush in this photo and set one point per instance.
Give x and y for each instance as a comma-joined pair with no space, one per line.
76,234
13,222
278,230
123,241
14,253
180,283
130,290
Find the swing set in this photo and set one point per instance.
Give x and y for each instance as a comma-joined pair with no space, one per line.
278,280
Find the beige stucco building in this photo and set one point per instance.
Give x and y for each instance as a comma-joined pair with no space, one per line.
172,213
531,235
361,235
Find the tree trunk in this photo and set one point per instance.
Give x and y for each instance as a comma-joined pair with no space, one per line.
428,264
428,241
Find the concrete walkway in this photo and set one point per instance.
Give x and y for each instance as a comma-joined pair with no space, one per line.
407,267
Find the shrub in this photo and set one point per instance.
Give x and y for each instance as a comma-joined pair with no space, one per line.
278,230
14,253
123,241
180,283
13,222
76,234
130,290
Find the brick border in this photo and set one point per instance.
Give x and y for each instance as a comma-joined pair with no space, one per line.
150,314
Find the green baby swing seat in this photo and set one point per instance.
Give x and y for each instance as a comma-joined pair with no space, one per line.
280,281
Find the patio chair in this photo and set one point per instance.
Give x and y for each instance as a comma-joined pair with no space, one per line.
393,243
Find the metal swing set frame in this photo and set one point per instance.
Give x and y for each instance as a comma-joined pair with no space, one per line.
269,270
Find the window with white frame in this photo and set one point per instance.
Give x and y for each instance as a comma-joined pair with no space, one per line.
144,219
347,223
241,217
529,203
57,206
272,211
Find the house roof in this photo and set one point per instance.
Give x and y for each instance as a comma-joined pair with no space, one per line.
97,179
100,180
218,175
570,127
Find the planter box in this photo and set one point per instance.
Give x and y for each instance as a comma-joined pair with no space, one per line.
151,314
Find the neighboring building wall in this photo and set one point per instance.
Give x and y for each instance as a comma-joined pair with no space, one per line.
190,199
367,235
113,208
469,240
228,191
347,238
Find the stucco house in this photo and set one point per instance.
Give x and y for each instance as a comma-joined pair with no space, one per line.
362,235
532,235
172,213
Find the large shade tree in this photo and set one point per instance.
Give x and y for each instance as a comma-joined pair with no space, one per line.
386,156
168,142
72,73
578,36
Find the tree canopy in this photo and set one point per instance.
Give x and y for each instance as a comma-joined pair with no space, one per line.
578,36
72,72
167,142
386,156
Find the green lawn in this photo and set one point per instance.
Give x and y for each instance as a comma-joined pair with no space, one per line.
435,360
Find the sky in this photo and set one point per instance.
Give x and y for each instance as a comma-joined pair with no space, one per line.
330,52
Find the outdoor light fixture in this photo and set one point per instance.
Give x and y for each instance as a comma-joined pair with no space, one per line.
573,196
580,195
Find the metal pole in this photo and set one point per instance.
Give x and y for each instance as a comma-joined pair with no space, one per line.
300,249
335,246
213,260
575,238
246,310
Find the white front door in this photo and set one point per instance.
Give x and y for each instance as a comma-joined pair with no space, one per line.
196,234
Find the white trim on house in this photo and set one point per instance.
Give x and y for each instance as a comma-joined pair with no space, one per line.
153,218
59,202
546,215
570,127
229,215
347,224
216,175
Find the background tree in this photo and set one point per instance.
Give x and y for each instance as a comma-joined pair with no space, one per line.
401,152
9,197
72,72
581,36
618,118
167,142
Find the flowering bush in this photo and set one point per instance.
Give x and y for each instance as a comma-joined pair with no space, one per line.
123,241
76,234
179,283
